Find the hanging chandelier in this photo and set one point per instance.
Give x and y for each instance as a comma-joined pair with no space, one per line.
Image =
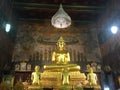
61,19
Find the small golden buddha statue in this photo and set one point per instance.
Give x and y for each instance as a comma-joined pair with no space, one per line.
61,56
92,77
35,77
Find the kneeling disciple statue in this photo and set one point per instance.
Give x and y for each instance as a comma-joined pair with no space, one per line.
92,77
65,75
35,77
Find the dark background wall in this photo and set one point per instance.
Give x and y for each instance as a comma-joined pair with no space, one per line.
35,43
110,43
6,41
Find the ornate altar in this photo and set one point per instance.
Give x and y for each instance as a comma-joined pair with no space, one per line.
54,74
62,73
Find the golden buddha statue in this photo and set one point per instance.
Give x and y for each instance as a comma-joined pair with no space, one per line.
61,56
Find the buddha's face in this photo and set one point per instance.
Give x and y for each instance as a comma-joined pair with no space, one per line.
60,45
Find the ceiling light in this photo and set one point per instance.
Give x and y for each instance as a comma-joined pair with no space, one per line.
7,27
114,29
61,19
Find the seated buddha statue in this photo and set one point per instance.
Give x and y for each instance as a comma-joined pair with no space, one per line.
61,58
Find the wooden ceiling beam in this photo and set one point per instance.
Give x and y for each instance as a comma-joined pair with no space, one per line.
40,20
38,5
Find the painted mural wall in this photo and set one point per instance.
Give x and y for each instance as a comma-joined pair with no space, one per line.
35,43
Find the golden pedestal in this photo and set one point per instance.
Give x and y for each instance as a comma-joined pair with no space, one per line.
52,75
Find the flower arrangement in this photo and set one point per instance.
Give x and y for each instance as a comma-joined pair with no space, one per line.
19,86
4,86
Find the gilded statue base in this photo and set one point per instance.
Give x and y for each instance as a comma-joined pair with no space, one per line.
62,87
53,75
60,67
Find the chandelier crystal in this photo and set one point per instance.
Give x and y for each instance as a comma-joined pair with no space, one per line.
61,19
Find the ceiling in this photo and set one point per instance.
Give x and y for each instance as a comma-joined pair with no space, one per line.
79,10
